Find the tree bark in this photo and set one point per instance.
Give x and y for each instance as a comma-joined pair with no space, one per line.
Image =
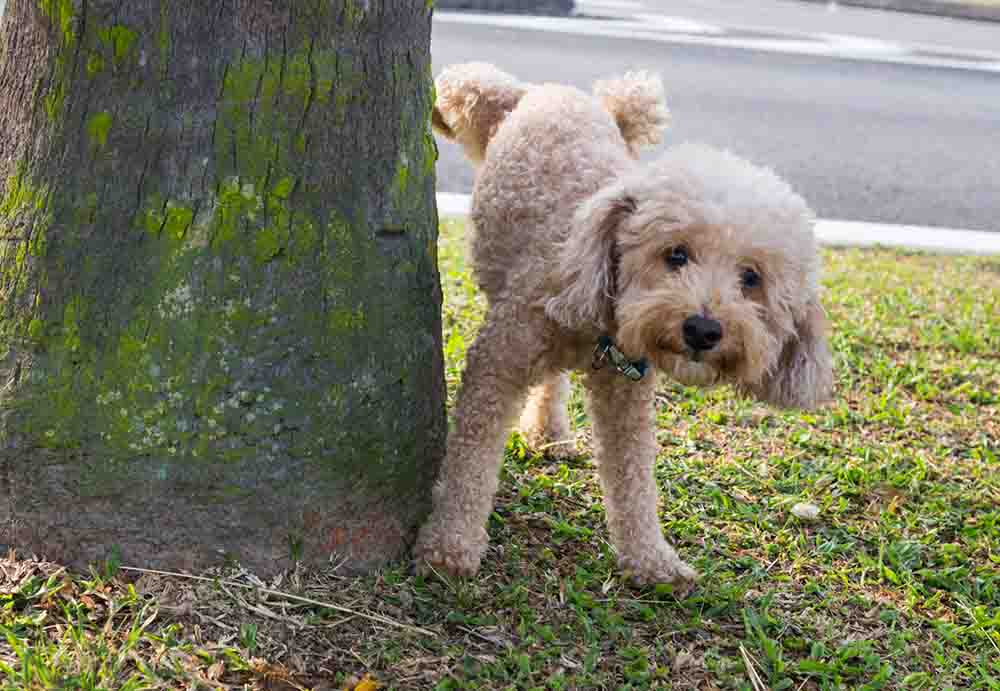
220,301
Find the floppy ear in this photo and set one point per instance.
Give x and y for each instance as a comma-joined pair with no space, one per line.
584,275
803,375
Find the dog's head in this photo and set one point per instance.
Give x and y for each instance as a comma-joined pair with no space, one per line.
707,266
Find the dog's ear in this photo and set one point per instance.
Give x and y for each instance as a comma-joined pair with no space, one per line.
583,282
803,375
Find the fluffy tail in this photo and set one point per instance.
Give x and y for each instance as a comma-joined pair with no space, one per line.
472,100
636,102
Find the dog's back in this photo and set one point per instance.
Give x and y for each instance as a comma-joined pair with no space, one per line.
540,151
552,152
473,100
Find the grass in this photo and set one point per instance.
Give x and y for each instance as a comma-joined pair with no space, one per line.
896,584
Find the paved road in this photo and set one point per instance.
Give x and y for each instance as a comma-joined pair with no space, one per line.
793,15
862,141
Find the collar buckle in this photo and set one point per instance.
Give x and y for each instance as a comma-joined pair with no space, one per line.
607,350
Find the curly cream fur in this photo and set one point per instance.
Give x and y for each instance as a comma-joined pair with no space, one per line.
474,98
545,422
472,101
637,104
570,235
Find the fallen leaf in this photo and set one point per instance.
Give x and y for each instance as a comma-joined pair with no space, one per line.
366,684
214,672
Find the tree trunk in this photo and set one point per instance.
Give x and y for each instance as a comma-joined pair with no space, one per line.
220,301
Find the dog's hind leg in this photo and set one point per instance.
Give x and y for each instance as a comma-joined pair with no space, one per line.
545,421
624,419
497,375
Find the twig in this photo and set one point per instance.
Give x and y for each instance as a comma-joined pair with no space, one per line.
635,599
288,596
263,611
481,637
338,623
447,583
755,679
363,661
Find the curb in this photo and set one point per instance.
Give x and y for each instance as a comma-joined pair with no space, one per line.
840,233
941,8
556,8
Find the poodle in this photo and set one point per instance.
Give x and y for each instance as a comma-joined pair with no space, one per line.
699,265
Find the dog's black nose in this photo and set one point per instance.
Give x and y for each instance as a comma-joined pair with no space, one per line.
702,333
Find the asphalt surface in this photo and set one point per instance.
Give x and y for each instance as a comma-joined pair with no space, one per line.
793,15
861,141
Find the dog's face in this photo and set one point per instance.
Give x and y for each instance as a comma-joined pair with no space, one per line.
707,266
706,303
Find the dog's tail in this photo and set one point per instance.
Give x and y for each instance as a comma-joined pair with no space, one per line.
637,103
472,100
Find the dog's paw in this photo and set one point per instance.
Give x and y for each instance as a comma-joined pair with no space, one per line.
665,569
444,565
445,553
557,448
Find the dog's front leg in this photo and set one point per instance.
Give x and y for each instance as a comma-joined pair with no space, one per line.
624,420
497,374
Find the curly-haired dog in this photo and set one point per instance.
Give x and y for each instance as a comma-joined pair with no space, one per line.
699,264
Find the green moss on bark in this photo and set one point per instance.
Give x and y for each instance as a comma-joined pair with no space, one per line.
61,14
121,41
98,127
156,392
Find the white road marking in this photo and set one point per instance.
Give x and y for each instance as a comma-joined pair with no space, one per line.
864,46
823,45
678,25
597,6
840,233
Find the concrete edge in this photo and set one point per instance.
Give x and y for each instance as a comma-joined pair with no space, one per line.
546,8
835,233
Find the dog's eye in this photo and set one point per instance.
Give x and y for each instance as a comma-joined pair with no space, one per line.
749,278
677,257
